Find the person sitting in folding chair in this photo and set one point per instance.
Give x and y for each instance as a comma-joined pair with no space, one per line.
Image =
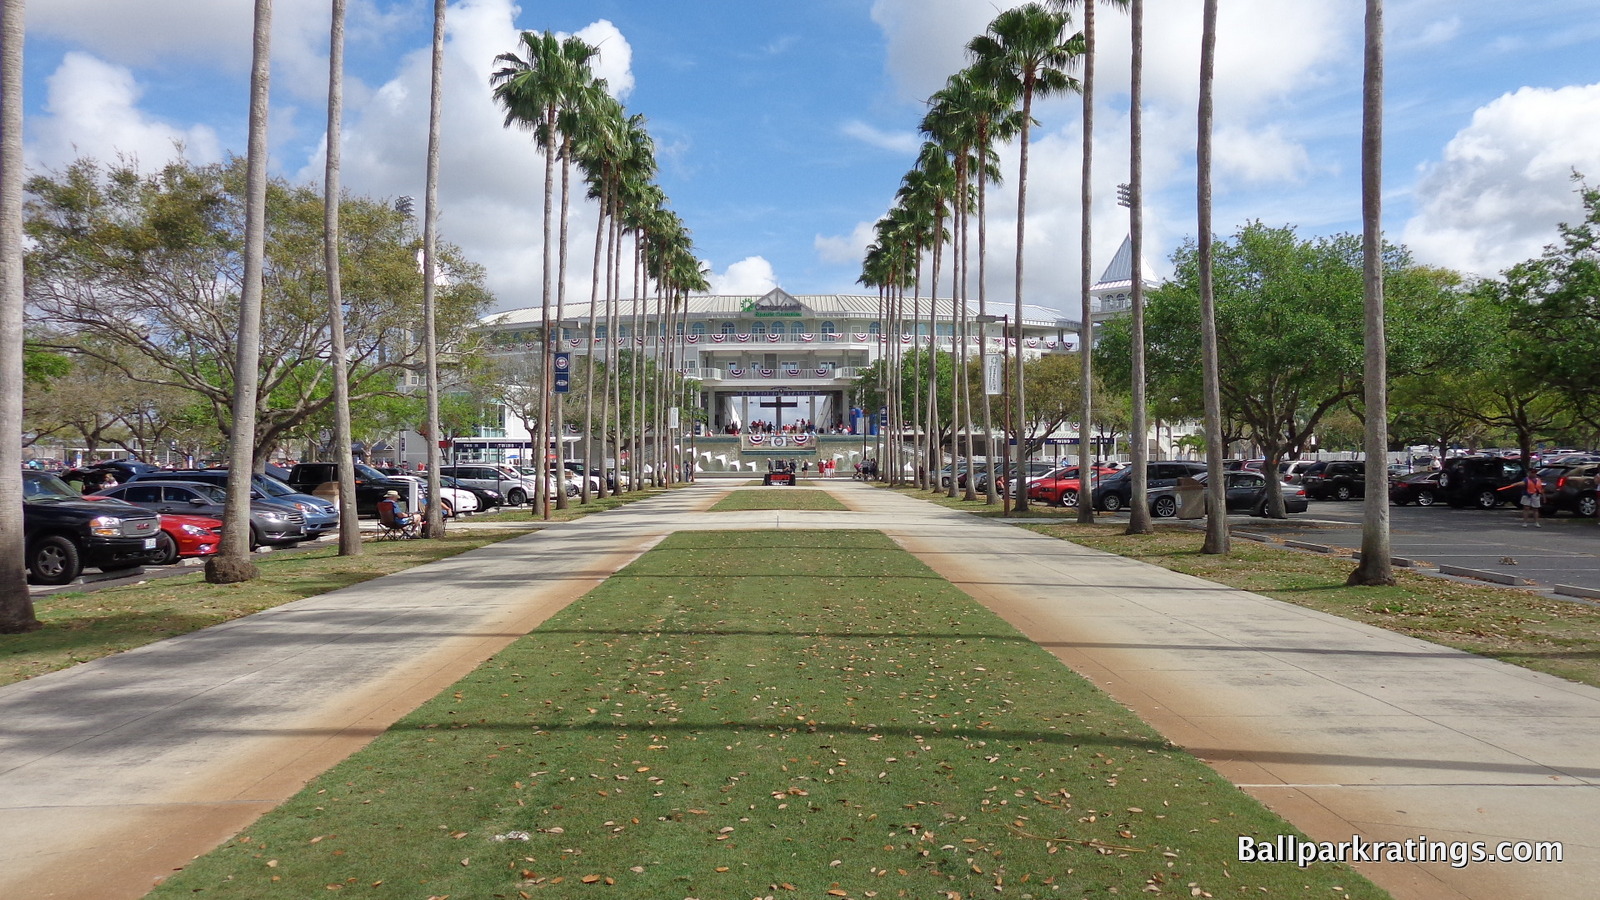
395,522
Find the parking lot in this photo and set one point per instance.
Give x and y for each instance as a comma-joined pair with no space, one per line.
1564,550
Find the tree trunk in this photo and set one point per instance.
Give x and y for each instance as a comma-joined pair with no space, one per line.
16,607
1021,424
430,238
232,563
1376,566
343,438
1216,541
1086,454
1139,515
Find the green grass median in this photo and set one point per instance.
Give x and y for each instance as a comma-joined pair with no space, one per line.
778,498
755,714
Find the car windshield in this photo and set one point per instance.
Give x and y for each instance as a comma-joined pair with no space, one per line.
369,473
272,487
38,487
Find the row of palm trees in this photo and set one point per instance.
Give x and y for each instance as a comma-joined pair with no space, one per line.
548,87
1025,53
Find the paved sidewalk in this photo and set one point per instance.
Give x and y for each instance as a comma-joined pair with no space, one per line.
115,772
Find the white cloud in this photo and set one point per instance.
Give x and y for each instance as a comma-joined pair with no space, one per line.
1257,157
906,143
92,109
751,276
1504,184
846,249
615,60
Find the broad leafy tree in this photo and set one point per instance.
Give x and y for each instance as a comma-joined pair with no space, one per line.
143,272
1289,332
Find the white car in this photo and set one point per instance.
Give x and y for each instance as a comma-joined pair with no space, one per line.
456,501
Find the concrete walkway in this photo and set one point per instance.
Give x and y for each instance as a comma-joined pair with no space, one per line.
115,772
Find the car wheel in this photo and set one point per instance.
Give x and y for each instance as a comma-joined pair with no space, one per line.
54,560
1342,492
1069,498
1588,505
1426,498
516,497
255,538
1164,507
1260,509
1111,503
572,490
166,550
1488,499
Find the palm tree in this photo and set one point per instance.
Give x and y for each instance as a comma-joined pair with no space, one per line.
534,91
1375,566
232,563
571,122
1139,514
430,239
1086,248
343,437
1216,494
599,144
16,607
1025,51
927,191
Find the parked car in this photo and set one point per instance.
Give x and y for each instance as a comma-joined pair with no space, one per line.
456,500
1343,479
512,484
1421,488
1035,469
322,479
569,480
322,516
1570,488
63,533
1061,486
272,523
184,535
1482,481
1116,491
488,498
1245,491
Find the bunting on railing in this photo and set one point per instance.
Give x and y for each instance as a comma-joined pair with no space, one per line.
801,440
905,338
756,440
832,336
718,338
693,339
742,338
808,338
1033,342
574,341
735,372
792,373
857,336
822,372
1050,345
766,372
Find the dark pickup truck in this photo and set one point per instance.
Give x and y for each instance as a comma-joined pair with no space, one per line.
371,485
64,533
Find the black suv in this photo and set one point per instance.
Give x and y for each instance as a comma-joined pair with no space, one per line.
1481,481
64,533
1337,479
1115,492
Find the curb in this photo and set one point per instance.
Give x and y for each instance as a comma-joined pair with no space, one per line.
1485,575
1572,590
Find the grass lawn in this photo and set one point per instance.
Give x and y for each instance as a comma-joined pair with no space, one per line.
758,714
80,626
1558,637
778,498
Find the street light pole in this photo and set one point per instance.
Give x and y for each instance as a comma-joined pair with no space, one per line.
1005,369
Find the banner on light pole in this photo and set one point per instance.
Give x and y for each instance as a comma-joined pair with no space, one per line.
991,375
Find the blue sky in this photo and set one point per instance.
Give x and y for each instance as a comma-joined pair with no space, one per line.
783,128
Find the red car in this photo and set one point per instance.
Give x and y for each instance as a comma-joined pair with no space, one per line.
1060,487
183,535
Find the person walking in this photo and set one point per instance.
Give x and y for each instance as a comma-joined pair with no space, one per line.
1532,499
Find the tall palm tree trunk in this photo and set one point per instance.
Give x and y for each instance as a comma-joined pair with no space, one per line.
1139,513
1376,566
1086,447
590,463
232,563
343,433
1020,426
558,419
430,270
1216,487
935,443
16,607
